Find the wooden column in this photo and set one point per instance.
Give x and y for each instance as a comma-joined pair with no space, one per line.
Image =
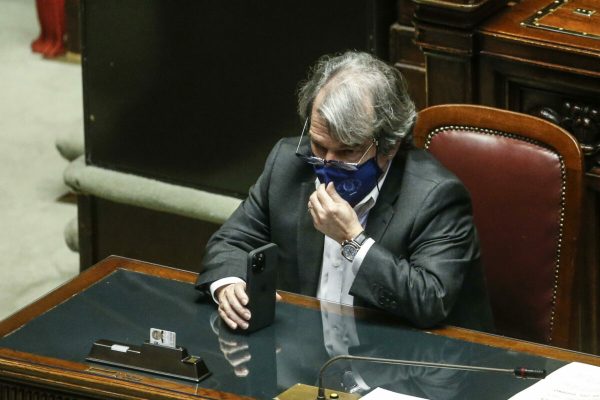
445,31
406,55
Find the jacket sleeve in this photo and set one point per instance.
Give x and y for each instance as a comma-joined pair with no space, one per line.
246,229
423,285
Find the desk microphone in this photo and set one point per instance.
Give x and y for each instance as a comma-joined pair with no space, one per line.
519,372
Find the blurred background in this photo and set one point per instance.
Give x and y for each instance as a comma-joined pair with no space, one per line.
40,102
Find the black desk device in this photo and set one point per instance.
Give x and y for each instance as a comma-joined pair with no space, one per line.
155,359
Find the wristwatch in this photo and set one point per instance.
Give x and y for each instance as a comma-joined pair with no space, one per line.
352,246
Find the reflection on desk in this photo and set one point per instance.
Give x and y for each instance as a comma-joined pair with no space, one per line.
121,299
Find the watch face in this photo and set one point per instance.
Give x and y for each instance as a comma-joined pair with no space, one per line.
349,251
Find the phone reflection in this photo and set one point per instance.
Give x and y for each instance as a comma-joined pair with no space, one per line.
251,357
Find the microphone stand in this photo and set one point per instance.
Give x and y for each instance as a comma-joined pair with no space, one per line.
518,372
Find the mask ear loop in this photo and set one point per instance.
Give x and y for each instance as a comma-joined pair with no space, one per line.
376,141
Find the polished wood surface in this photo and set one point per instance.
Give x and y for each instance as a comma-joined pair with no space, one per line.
510,28
85,381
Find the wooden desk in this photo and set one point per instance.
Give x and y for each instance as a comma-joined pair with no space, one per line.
42,347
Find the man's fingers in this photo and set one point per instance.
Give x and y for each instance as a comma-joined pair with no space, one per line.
237,298
240,292
229,312
315,207
230,323
230,317
324,197
333,193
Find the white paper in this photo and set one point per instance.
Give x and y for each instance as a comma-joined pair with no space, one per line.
119,347
383,394
575,381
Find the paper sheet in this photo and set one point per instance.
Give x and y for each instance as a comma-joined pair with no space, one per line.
575,381
383,394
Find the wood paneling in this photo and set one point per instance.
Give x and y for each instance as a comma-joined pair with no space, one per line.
551,73
107,228
408,58
449,78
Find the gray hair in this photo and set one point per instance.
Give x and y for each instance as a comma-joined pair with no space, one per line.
364,98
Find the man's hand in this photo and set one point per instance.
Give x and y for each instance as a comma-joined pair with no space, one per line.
332,215
232,305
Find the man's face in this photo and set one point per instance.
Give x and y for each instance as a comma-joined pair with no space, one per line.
324,146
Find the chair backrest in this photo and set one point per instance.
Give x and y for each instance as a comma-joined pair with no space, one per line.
525,179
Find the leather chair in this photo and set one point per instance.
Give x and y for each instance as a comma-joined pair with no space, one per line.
525,179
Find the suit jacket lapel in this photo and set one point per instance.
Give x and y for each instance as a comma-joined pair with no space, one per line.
381,214
309,244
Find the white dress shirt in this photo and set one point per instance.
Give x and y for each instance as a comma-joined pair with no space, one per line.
337,273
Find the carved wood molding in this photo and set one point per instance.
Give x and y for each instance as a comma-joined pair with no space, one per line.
582,121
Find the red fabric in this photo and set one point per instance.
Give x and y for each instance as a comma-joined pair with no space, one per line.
51,15
516,191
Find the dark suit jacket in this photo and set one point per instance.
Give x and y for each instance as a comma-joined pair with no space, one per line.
424,265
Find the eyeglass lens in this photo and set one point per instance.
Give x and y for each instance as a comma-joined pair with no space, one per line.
313,160
333,163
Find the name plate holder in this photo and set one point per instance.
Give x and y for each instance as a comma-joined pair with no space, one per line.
174,362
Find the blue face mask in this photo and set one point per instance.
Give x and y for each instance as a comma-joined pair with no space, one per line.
352,186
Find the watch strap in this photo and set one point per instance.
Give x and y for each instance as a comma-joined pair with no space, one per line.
360,238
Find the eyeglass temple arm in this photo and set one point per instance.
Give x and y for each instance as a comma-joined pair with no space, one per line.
366,151
302,134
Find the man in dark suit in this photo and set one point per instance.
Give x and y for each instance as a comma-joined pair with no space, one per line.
359,215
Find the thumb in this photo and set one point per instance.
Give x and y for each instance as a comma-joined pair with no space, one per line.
333,193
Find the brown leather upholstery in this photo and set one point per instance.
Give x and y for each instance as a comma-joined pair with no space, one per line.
524,175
